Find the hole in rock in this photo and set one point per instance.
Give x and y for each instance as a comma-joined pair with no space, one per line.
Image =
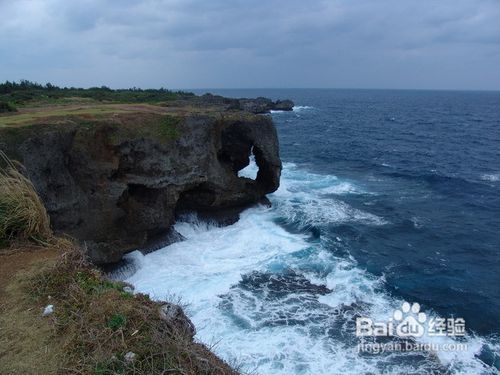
237,151
251,170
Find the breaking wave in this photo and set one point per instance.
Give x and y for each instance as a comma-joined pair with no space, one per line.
279,301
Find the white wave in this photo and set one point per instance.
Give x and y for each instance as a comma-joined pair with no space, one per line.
353,286
418,222
311,211
301,198
295,180
211,259
250,171
341,189
208,265
493,177
282,333
299,108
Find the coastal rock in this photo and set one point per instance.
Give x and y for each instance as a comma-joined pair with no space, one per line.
264,105
259,105
283,105
117,184
175,317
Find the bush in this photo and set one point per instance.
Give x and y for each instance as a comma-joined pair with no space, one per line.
26,92
116,321
7,107
22,213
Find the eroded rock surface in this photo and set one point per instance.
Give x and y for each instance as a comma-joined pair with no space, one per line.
116,186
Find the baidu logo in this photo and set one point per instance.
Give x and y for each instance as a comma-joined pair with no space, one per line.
409,321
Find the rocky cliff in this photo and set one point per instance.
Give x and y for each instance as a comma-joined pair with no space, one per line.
117,182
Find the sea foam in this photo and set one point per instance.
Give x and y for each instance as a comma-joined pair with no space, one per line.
278,302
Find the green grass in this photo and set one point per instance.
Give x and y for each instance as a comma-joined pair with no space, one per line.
163,128
168,129
94,283
116,321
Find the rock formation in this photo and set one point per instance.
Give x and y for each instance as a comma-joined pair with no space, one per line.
257,106
116,184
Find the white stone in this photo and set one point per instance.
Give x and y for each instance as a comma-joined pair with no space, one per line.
130,357
49,309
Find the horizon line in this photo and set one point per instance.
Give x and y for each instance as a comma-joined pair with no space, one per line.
265,88
335,88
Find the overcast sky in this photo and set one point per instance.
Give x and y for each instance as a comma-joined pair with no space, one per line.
443,44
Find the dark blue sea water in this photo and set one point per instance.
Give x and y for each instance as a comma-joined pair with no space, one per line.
387,196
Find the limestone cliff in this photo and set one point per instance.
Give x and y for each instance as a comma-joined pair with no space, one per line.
116,182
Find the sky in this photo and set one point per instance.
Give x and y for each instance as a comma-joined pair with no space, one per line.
408,44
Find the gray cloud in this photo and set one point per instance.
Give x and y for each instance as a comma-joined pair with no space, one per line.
235,43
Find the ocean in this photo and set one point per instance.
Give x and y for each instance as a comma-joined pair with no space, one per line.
386,197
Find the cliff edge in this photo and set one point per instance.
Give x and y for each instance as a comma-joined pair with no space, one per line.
115,176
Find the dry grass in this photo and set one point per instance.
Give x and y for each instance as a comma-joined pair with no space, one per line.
95,323
70,111
52,114
22,213
101,323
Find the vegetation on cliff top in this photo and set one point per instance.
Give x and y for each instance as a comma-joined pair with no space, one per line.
31,93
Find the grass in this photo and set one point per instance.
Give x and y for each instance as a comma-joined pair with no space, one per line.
32,117
100,323
22,213
168,128
116,321
162,128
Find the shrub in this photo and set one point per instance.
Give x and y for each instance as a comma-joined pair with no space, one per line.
7,107
22,214
26,92
116,321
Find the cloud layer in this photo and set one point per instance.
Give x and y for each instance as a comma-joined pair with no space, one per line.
451,44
